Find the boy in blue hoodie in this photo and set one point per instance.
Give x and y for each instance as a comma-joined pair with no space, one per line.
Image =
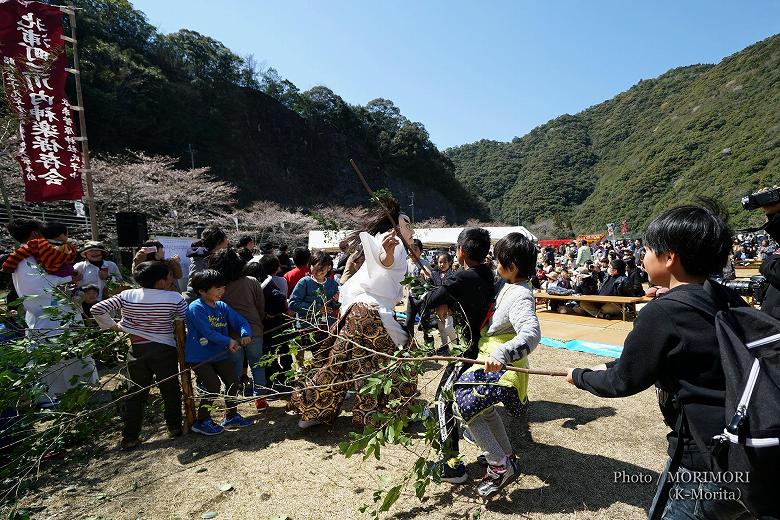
207,348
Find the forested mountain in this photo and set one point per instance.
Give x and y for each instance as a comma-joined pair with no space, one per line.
169,93
710,130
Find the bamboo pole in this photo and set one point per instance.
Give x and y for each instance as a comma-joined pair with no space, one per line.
184,371
71,12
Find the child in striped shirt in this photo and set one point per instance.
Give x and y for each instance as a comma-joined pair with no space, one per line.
147,317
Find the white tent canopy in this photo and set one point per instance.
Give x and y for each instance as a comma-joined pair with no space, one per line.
430,237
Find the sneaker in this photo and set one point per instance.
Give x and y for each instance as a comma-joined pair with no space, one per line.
456,475
129,444
498,477
249,388
237,421
468,437
261,404
48,403
482,459
207,427
307,424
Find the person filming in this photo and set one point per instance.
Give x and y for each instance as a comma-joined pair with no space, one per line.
769,201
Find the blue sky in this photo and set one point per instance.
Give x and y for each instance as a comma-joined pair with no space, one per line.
478,69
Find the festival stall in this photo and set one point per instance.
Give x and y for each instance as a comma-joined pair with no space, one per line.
555,243
430,237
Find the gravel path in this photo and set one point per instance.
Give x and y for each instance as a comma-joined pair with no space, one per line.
571,448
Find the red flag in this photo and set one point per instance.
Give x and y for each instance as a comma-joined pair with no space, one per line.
34,75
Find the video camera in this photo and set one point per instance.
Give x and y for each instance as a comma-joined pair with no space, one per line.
762,198
755,287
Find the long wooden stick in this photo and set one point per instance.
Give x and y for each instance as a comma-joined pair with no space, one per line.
510,368
184,371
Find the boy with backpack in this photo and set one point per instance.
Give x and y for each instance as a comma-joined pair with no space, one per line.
678,344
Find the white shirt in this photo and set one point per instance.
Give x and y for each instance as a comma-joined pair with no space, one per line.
377,285
36,287
90,274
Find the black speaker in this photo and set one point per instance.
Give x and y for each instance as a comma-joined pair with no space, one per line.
131,230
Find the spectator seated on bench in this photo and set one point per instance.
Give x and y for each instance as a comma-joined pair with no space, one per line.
616,284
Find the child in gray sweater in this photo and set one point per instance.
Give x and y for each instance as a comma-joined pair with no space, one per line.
511,332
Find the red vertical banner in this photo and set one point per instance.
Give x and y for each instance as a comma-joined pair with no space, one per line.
34,76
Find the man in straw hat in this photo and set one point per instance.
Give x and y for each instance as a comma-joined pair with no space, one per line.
95,269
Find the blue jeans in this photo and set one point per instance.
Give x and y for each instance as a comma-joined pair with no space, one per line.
690,500
253,353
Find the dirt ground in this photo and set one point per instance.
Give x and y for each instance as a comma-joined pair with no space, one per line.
571,448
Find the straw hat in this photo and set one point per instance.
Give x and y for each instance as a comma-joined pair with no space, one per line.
93,245
552,275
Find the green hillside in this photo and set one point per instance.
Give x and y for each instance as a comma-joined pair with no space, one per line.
710,130
172,93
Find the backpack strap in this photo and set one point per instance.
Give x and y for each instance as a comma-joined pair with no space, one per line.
717,303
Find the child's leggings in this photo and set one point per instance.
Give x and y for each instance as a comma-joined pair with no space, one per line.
489,432
209,375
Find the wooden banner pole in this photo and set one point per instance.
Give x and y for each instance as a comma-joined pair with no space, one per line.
71,12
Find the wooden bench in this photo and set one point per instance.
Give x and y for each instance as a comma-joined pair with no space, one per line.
746,271
622,301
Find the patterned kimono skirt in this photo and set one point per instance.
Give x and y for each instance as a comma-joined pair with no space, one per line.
321,397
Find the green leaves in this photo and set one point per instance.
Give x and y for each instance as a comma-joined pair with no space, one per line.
390,498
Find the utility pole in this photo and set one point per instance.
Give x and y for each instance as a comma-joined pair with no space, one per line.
192,156
411,205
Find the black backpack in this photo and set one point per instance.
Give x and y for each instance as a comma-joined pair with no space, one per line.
749,446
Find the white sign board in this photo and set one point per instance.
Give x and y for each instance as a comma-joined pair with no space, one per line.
178,246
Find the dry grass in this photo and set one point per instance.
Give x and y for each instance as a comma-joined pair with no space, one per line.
570,448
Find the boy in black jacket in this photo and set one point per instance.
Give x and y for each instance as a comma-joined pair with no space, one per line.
468,294
673,345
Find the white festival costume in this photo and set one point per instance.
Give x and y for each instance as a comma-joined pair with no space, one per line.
377,285
37,287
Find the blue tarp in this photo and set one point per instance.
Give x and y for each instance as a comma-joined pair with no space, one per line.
589,347
600,349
